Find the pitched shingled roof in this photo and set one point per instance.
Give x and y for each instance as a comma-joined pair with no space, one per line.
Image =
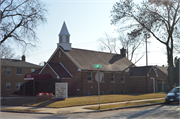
86,60
17,63
164,69
62,73
140,71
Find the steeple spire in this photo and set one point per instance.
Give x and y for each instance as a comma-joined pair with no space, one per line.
64,38
64,30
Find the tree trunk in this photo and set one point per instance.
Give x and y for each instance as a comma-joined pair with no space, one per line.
170,68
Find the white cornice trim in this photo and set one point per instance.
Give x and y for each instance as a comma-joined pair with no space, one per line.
65,54
53,70
150,70
66,69
53,54
50,68
161,70
43,68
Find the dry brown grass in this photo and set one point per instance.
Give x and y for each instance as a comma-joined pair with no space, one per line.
19,110
77,101
125,104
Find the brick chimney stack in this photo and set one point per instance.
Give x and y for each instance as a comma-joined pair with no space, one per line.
123,52
23,58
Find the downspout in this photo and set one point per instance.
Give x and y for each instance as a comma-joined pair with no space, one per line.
82,83
153,84
146,84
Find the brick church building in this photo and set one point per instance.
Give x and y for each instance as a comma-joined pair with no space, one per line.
119,75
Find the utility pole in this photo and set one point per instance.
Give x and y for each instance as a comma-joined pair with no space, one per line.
146,51
146,37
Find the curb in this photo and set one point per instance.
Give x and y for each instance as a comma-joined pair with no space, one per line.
68,112
25,112
137,106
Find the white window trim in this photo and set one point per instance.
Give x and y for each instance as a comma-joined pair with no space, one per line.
16,71
6,85
113,77
102,92
123,78
6,70
19,85
33,69
89,76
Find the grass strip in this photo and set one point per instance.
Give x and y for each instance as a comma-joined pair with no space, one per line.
19,110
79,101
103,107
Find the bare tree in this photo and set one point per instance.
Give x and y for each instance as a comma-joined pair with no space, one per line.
132,47
108,43
6,52
160,18
19,20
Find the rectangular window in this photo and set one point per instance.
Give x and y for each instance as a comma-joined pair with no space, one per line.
90,93
112,77
32,70
19,71
101,92
8,70
18,84
89,76
60,39
59,53
67,39
122,77
102,80
8,85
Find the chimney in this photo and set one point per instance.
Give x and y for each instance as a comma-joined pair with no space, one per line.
23,58
123,52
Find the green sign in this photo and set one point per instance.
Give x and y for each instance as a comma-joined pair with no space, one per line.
97,65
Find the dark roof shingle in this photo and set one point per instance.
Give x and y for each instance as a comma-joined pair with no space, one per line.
86,60
140,71
62,73
17,63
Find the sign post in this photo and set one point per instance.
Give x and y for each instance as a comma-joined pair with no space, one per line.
98,80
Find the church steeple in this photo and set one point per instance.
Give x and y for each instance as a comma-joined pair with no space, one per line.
64,38
64,30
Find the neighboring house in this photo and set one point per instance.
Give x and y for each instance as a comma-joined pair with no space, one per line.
144,79
76,67
13,72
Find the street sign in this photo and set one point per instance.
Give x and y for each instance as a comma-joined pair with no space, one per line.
97,65
98,78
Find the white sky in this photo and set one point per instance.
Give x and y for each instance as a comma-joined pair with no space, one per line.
87,21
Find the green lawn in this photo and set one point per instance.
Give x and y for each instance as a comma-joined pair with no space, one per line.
82,100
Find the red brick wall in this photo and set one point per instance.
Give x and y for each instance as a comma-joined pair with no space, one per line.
79,84
74,83
137,84
107,86
162,76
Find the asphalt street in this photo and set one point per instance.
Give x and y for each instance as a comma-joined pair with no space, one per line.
171,111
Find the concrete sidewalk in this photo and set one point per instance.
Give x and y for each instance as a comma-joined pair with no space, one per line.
76,109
